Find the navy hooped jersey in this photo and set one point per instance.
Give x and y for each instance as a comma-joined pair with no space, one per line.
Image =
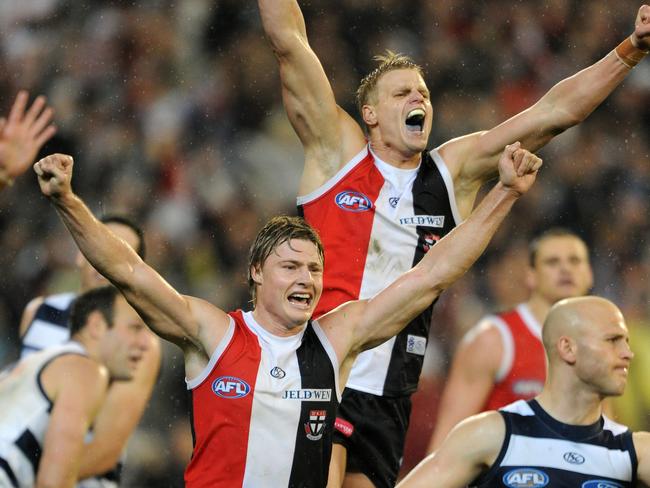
376,222
540,451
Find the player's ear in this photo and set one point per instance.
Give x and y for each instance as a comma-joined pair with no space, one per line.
256,274
369,115
567,349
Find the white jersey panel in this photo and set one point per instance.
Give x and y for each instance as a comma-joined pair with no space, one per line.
274,445
386,261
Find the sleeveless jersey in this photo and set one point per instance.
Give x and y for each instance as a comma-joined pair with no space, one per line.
523,366
376,222
50,324
25,415
263,409
49,328
541,451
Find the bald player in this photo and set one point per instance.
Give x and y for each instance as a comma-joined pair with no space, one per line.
561,438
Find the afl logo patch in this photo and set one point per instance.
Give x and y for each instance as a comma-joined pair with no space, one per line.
353,201
601,484
525,478
230,387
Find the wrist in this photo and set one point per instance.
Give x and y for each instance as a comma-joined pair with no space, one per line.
507,190
629,54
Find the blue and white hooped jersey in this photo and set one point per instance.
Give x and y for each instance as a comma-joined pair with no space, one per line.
539,451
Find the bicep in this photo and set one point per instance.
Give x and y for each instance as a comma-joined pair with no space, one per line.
470,448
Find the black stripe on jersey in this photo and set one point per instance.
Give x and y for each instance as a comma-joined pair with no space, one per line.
30,447
430,197
313,446
191,409
4,465
114,474
52,315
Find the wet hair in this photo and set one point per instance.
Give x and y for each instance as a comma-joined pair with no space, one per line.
534,245
127,222
277,231
388,62
100,299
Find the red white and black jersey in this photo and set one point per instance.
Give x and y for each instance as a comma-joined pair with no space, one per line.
263,409
376,222
522,372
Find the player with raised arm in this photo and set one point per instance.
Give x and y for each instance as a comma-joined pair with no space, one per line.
380,200
265,384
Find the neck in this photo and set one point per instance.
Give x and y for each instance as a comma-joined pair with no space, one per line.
570,404
539,307
271,323
394,157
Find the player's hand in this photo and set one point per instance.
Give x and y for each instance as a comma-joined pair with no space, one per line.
518,168
23,134
641,34
55,175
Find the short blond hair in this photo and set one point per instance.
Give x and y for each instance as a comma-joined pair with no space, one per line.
388,62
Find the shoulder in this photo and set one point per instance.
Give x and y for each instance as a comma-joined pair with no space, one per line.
29,313
74,373
486,339
481,435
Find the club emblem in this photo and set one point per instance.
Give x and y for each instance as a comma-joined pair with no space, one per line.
316,425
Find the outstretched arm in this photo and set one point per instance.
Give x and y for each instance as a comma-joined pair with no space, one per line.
374,321
22,135
471,448
194,325
329,135
473,158
472,376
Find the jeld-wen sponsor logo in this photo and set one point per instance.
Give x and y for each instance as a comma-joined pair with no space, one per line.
321,395
424,220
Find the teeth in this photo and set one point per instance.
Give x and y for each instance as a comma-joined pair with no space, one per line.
415,112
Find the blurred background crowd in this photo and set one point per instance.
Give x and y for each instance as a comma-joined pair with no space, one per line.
172,111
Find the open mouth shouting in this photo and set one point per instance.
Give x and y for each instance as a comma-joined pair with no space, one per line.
301,299
415,120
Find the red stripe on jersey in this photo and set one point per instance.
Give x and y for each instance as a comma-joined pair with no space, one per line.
345,228
221,413
528,372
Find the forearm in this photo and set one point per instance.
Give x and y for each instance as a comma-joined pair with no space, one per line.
570,101
453,255
108,254
283,24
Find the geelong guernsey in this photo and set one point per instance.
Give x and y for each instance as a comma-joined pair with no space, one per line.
49,328
25,416
376,222
263,409
522,373
540,451
50,324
